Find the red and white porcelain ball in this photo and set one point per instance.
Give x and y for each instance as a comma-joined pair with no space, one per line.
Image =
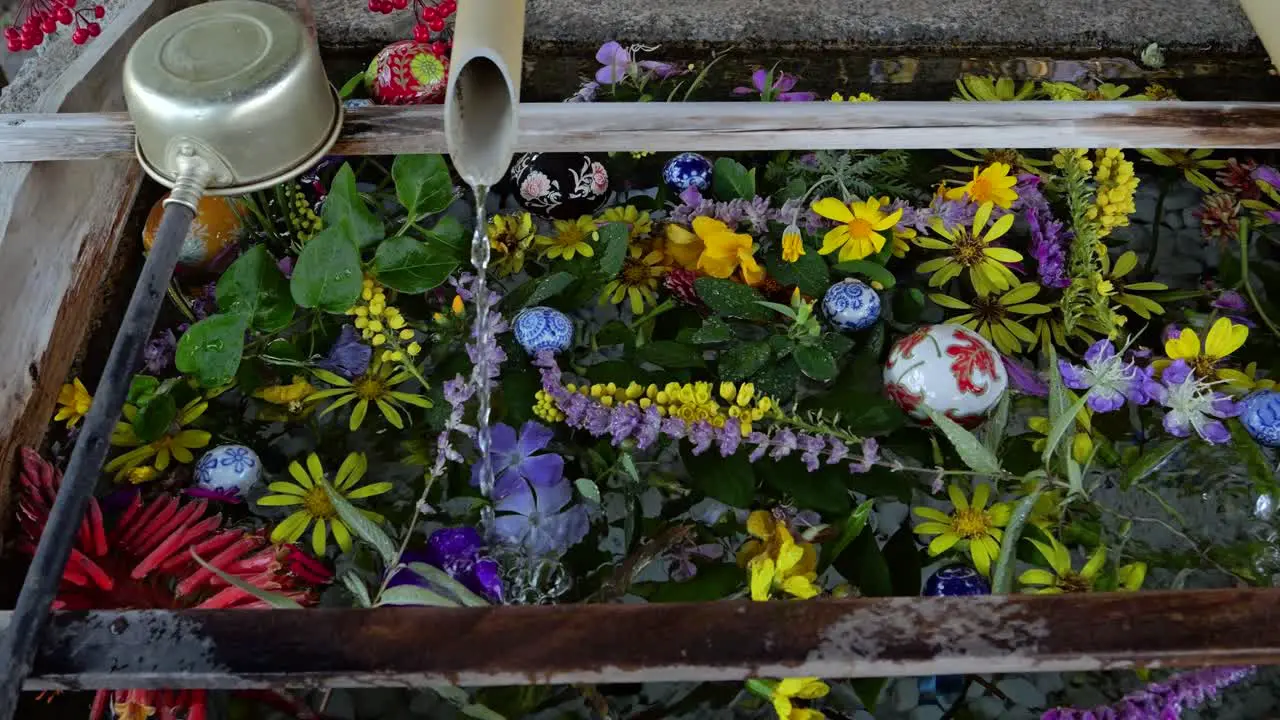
949,368
407,73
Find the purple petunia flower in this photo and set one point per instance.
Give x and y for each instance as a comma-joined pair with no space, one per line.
205,303
1171,332
348,357
777,88
459,552
1267,175
1024,380
285,264
1235,306
618,62
517,459
535,518
1193,405
1106,375
157,354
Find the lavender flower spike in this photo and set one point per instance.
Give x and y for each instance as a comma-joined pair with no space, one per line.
1162,700
1106,376
1193,405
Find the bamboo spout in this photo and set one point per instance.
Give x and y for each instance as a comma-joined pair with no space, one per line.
1265,16
483,94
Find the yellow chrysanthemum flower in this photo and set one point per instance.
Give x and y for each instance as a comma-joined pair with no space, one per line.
793,243
992,315
858,235
984,88
637,221
74,402
1191,163
1062,578
970,249
860,97
725,251
637,281
789,689
1224,338
308,491
374,387
510,237
992,184
573,237
973,526
176,444
1143,307
776,562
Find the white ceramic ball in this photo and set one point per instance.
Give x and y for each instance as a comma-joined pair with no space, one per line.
229,469
949,368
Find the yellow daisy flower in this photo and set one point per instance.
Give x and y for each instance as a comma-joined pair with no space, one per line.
725,251
308,491
991,315
859,234
510,237
790,689
176,444
73,403
1191,163
984,88
969,249
1143,307
637,221
1062,578
992,184
573,237
972,526
637,280
1224,338
374,387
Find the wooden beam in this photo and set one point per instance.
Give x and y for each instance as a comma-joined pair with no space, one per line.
869,637
724,127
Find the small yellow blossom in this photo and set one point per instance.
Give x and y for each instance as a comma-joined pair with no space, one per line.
984,88
858,234
776,562
639,226
637,282
992,184
73,403
142,474
792,243
1062,578
572,237
789,689
1081,442
1224,338
972,526
510,237
375,387
1246,381
725,251
860,97
1191,163
995,316
1114,195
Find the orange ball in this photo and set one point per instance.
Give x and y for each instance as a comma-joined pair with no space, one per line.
215,226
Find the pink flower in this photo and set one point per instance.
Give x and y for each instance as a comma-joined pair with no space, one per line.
535,185
599,178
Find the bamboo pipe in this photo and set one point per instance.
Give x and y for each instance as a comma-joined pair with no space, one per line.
483,94
1265,17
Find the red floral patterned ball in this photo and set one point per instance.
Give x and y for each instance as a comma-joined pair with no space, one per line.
407,73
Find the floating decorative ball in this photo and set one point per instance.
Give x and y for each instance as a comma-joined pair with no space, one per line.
1261,417
215,227
543,328
851,305
356,103
559,186
407,73
956,580
949,368
229,470
687,170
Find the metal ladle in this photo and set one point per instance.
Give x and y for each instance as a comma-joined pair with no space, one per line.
226,97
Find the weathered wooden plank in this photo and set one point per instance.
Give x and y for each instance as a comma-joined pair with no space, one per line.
551,127
657,642
60,223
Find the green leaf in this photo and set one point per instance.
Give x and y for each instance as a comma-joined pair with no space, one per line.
351,580
868,691
346,213
254,286
141,388
154,418
858,393
864,566
362,526
778,380
1260,472
588,489
409,266
351,85
670,354
549,286
613,247
822,490
328,275
730,180
448,233
971,451
809,273
1002,573
908,305
731,299
730,480
713,330
481,712
413,595
275,600
902,555
852,528
836,344
815,362
441,579
210,350
423,185
743,360
615,332
1152,460
869,270
713,582
994,428
1060,428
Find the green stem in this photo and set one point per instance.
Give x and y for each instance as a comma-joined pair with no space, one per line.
1244,277
1002,576
1156,222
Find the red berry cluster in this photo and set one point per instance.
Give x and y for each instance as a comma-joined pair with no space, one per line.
38,18
430,18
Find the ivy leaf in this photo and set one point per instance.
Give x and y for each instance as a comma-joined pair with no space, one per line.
423,185
836,344
670,355
613,243
731,299
549,286
731,480
155,417
210,350
778,380
743,360
328,275
968,447
809,273
346,213
255,287
869,270
141,388
448,233
730,180
815,362
713,330
410,266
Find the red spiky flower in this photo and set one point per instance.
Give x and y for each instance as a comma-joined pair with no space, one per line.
146,560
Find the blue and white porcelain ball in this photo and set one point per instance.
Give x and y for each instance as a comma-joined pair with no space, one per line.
955,581
543,328
356,103
851,305
1261,417
229,470
687,170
